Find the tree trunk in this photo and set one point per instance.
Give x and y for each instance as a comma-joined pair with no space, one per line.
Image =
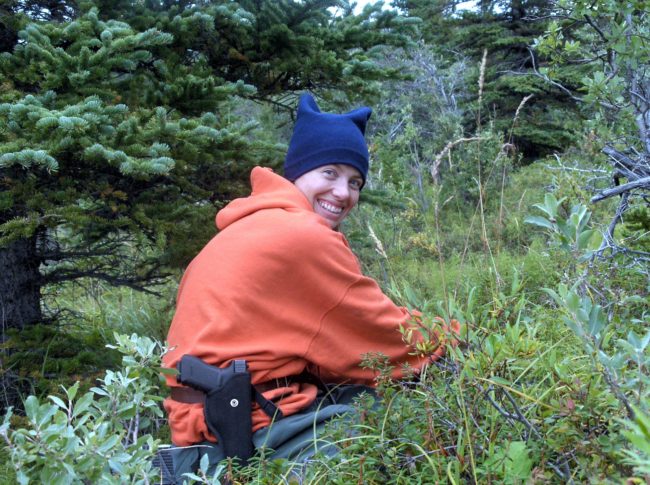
20,284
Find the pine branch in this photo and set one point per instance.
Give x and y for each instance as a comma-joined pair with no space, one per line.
136,283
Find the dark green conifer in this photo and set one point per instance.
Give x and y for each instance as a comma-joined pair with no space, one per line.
119,132
507,30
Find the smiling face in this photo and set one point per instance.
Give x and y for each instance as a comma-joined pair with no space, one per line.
332,190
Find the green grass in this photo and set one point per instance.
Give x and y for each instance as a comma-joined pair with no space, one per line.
521,399
7,474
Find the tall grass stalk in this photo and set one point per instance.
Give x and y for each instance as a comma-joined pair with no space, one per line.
499,222
441,262
470,447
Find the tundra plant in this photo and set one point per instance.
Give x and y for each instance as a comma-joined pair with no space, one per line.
102,436
625,362
571,233
639,435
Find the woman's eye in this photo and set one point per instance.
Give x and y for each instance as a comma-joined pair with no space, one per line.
329,172
356,184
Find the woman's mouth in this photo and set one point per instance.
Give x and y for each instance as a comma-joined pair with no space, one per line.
334,209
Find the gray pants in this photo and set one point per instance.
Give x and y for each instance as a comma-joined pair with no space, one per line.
294,437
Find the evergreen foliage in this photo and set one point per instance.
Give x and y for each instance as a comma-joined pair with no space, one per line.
505,30
280,47
125,125
93,164
121,130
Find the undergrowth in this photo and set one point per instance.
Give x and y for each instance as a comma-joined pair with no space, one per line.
548,383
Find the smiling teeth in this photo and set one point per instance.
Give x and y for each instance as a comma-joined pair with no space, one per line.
330,207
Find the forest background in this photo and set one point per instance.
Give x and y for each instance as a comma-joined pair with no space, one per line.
510,165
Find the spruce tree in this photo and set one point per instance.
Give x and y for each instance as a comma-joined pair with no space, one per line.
119,133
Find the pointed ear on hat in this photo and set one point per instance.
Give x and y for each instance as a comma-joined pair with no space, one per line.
307,104
360,117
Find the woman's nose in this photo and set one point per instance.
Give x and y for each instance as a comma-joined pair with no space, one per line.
341,189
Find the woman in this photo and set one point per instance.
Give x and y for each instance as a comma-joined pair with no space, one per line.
280,288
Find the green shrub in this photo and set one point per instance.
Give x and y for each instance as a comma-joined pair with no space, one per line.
39,359
639,435
101,436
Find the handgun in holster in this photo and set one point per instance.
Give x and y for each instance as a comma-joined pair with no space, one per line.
228,401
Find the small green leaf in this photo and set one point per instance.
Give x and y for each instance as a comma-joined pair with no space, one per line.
59,402
597,320
47,415
192,476
500,380
83,404
31,407
539,221
584,238
109,444
521,464
572,302
167,371
72,391
204,463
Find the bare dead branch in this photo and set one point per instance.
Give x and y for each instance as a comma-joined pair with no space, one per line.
598,30
608,235
632,168
562,88
561,468
547,79
438,160
644,182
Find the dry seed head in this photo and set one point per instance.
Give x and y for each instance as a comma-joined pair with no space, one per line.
379,247
521,105
481,77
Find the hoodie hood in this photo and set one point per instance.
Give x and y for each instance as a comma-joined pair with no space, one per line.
270,191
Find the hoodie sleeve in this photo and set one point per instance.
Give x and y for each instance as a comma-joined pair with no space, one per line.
360,320
364,321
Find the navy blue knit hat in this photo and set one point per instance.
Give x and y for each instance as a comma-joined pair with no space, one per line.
322,138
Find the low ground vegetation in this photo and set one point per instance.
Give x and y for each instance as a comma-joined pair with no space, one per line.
548,382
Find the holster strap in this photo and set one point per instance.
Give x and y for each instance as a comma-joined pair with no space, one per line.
187,395
275,383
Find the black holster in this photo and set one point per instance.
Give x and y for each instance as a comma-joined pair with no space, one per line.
227,412
227,405
228,402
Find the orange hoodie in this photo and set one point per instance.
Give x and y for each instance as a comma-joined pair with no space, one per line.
282,290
